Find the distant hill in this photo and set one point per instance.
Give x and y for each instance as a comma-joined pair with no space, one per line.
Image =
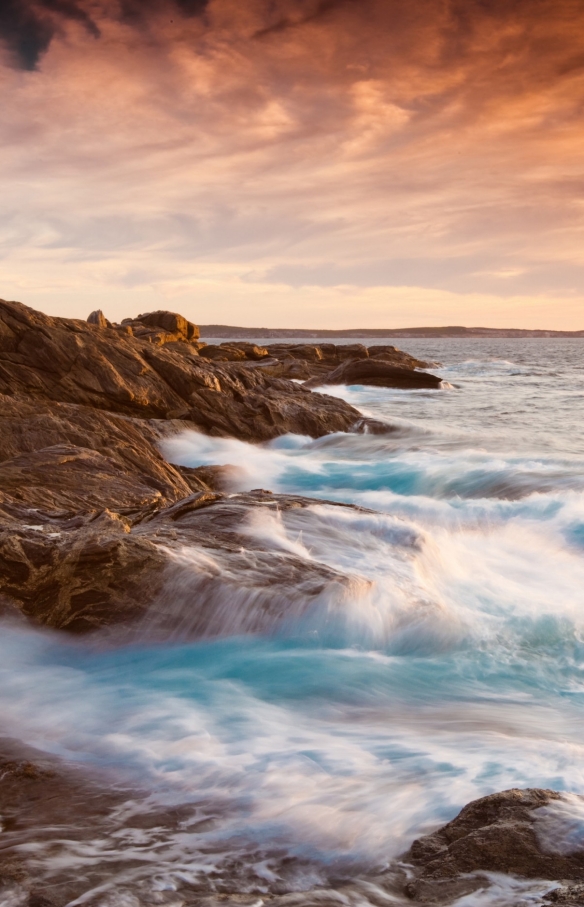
231,332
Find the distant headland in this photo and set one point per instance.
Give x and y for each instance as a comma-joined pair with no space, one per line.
232,332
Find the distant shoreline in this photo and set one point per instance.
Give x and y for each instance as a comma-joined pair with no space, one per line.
233,332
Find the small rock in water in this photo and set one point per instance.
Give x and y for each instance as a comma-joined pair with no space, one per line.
498,833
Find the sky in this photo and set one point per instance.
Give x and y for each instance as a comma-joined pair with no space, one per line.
295,163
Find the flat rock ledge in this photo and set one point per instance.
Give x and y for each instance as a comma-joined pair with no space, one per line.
515,832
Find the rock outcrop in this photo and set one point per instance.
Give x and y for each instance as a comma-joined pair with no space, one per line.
309,361
157,570
159,328
504,833
94,523
378,373
38,795
68,361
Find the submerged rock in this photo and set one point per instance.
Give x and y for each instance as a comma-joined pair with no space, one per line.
507,832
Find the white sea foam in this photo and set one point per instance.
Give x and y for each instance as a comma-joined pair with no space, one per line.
560,825
315,741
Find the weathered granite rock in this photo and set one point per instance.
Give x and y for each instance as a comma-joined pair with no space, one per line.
99,319
498,833
252,351
160,327
567,896
68,361
377,373
223,353
29,425
188,569
94,523
54,813
307,361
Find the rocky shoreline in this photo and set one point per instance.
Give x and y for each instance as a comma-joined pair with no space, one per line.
60,811
90,511
94,523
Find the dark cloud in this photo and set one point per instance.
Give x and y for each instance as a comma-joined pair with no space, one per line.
299,14
139,11
27,27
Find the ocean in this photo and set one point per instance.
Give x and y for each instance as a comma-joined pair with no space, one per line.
313,754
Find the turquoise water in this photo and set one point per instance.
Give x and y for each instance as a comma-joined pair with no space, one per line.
453,667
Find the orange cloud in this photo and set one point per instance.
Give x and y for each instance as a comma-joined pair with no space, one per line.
296,147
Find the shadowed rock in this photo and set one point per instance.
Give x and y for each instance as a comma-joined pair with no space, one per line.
99,319
377,373
499,833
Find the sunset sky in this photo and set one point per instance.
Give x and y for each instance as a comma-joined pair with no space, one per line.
295,163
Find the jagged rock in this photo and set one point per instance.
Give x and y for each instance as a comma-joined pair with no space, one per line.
76,572
162,327
251,350
148,569
498,833
68,361
377,373
210,478
73,479
567,896
311,361
352,351
40,793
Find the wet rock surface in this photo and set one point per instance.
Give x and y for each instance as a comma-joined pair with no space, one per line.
327,363
70,834
500,833
94,523
158,571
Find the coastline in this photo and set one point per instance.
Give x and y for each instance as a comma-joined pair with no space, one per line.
93,515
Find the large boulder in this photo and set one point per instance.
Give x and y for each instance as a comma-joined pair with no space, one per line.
99,319
223,353
510,832
162,327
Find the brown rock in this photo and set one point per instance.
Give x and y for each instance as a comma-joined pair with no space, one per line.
162,571
172,323
222,353
162,327
352,351
251,350
307,361
99,319
77,480
210,478
377,373
27,426
67,361
494,834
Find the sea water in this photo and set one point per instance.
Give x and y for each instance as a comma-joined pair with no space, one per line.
314,753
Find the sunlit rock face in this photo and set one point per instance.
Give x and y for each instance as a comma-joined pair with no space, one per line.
70,361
